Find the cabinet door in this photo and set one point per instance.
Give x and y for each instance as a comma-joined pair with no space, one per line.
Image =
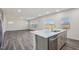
41,43
61,39
53,43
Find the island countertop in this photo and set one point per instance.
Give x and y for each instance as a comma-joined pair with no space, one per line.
47,33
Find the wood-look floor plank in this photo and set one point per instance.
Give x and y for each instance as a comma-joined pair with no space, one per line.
18,40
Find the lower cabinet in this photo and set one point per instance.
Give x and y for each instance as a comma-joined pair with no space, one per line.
61,40
46,44
53,43
41,43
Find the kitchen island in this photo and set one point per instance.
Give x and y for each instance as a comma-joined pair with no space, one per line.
49,40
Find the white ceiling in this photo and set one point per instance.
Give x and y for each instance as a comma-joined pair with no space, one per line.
27,13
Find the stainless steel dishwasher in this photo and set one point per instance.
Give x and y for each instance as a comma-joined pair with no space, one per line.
53,43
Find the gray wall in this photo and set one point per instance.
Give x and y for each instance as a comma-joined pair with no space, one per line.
74,20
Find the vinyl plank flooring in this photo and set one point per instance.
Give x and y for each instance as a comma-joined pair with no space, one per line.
71,45
18,40
67,48
22,40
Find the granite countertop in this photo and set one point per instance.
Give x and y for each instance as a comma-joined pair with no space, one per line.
47,33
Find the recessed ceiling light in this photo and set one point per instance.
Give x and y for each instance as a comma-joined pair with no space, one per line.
19,10
57,10
47,12
10,22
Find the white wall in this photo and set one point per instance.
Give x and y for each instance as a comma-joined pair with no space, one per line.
56,19
18,24
74,20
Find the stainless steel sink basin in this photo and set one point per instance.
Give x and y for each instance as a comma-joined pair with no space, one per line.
56,30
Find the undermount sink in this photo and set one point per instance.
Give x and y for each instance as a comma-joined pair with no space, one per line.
56,30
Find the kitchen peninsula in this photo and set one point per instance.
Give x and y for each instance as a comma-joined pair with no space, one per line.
49,40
